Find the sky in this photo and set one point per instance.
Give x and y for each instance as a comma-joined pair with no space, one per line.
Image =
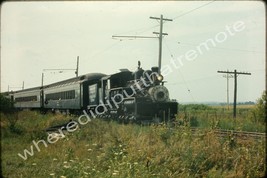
50,35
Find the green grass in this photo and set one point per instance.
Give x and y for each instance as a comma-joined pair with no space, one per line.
220,117
108,149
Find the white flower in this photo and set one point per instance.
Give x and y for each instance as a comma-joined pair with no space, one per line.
65,166
115,172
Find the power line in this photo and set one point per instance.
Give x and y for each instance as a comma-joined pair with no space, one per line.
151,27
139,30
195,79
220,48
189,91
104,50
125,36
193,10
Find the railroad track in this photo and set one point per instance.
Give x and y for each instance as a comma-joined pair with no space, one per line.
241,134
218,132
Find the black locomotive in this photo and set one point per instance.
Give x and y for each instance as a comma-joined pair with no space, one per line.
138,96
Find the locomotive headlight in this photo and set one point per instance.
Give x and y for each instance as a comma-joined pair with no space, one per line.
160,78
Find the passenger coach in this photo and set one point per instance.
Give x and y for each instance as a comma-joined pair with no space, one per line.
72,94
28,98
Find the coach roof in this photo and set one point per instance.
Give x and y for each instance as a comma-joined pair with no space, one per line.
82,78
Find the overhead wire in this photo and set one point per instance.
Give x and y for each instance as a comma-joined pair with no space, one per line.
182,76
139,30
196,79
105,49
193,10
220,48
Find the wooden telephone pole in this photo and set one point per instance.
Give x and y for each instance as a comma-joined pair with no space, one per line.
160,33
235,86
77,67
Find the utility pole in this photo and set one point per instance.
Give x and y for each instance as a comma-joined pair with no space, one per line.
235,85
160,38
227,76
160,33
23,85
42,80
77,68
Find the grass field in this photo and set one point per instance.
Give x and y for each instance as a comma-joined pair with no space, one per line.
220,117
108,149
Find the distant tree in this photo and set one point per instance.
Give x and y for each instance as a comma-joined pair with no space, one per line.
260,110
6,105
7,108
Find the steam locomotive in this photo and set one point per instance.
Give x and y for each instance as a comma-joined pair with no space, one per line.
126,96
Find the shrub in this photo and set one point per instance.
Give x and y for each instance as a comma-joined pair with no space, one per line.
6,105
7,108
259,112
190,107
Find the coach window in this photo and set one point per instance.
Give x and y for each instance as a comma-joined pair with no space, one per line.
68,93
72,94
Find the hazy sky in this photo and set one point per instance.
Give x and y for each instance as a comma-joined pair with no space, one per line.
48,35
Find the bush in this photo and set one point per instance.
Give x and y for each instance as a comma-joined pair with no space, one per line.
259,113
190,107
7,108
6,105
